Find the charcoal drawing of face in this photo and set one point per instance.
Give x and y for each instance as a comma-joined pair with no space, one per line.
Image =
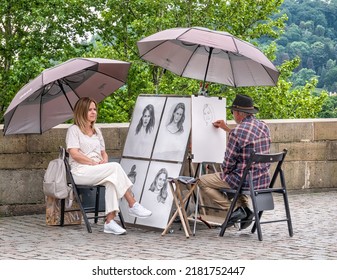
147,120
175,125
159,185
208,114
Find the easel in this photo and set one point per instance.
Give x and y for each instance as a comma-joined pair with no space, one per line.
180,200
205,152
201,169
176,186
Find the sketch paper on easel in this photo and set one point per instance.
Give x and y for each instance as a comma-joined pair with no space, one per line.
174,130
136,171
208,142
144,126
157,196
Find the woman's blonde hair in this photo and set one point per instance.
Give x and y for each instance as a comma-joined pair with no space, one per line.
81,112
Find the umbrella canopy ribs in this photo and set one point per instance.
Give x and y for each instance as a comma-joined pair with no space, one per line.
49,99
208,55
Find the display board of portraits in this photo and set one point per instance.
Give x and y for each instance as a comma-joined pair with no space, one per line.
160,128
156,147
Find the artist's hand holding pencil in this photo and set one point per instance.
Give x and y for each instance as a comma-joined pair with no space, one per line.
221,124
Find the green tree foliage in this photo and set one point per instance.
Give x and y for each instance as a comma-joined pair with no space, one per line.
311,34
49,32
37,34
329,109
248,19
301,77
283,101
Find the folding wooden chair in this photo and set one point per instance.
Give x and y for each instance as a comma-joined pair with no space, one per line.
262,199
78,190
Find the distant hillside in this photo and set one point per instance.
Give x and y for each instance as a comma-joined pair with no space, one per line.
311,34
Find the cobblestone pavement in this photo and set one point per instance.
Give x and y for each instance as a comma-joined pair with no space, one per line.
313,217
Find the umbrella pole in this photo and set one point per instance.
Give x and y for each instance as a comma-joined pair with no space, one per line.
64,93
209,59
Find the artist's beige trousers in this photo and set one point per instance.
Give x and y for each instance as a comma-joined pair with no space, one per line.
210,184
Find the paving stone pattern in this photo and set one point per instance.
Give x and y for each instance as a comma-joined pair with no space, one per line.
314,223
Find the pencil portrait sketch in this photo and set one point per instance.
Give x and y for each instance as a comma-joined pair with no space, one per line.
208,114
144,126
159,185
136,170
157,195
147,121
132,174
174,130
176,122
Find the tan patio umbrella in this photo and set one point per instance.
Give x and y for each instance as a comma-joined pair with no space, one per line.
209,55
49,99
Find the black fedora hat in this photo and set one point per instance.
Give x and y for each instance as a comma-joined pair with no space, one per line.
244,103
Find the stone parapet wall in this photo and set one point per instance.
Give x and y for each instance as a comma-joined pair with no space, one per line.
24,159
311,163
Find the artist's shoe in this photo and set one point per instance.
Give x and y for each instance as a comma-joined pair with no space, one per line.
236,216
114,228
230,224
246,222
139,211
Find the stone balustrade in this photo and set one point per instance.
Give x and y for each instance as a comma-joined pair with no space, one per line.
311,163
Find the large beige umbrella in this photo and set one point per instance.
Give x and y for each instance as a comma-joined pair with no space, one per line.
49,99
209,55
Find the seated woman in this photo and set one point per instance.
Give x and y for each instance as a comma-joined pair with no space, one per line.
89,165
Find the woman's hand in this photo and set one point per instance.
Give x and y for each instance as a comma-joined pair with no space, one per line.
105,157
80,158
83,159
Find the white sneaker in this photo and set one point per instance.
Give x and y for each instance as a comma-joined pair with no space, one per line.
114,228
139,211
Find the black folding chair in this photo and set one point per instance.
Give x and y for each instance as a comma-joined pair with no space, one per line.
78,191
262,199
